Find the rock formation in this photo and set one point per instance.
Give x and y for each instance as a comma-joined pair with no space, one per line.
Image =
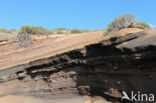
117,63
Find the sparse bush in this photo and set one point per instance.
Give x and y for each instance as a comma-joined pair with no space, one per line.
61,31
95,30
144,26
76,31
36,30
98,30
123,21
23,39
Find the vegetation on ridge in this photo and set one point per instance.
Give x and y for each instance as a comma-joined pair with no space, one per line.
23,35
126,21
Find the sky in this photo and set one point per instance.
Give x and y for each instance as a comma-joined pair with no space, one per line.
72,14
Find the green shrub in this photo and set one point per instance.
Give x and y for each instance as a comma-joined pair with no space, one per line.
123,21
95,30
61,31
76,31
85,31
144,26
23,39
36,30
98,30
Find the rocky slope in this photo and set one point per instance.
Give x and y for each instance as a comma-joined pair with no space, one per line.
11,54
120,62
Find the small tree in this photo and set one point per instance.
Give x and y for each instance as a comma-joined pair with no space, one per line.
23,39
123,21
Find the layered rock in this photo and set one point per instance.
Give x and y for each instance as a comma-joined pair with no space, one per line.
116,64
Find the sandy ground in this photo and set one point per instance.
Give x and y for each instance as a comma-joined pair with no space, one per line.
76,99
24,99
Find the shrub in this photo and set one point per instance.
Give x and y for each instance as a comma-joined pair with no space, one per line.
95,30
61,31
23,39
76,31
144,26
98,30
36,30
123,21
